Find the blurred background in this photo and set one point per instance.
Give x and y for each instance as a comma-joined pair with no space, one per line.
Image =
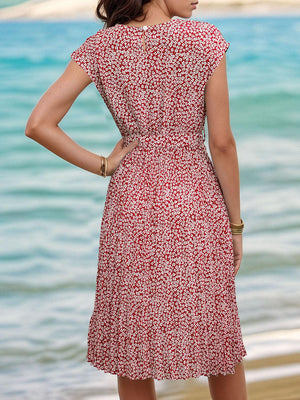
51,211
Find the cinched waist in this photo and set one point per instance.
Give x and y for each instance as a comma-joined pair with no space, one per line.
165,142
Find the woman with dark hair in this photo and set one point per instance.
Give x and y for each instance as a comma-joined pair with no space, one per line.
171,232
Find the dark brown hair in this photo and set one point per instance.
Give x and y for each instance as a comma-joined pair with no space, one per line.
119,11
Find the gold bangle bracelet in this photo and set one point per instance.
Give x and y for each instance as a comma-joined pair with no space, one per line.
102,163
237,225
237,229
101,166
105,167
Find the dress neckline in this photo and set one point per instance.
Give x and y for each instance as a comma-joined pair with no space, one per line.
149,26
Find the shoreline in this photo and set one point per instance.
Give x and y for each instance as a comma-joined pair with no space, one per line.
261,384
85,9
272,370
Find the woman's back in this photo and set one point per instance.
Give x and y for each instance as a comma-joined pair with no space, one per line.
158,89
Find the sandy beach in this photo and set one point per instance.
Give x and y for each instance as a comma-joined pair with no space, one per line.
85,9
281,387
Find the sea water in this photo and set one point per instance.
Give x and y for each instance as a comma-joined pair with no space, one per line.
51,210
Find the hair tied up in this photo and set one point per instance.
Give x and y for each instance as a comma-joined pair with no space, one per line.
113,12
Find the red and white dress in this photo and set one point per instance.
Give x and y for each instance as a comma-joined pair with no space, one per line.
165,302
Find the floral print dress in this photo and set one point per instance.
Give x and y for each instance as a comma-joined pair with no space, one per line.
165,301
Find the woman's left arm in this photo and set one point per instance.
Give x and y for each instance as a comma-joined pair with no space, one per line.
42,125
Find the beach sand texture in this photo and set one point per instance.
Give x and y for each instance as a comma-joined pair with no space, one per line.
74,9
277,388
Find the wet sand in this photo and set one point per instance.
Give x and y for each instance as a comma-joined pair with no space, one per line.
269,378
276,388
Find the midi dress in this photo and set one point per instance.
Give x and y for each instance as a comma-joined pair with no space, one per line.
165,301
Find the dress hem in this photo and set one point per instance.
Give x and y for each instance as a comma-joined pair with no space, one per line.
174,376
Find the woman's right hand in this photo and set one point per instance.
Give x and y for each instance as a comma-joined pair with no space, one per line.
237,251
117,155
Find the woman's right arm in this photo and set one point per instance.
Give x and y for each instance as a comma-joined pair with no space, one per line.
42,125
222,147
222,144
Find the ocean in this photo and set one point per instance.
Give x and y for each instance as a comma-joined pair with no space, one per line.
9,3
51,210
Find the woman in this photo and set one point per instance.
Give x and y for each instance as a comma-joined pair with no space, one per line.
171,232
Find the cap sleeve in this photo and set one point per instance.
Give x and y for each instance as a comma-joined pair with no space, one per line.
216,46
86,57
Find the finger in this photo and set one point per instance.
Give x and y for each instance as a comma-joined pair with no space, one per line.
236,270
131,145
237,267
119,144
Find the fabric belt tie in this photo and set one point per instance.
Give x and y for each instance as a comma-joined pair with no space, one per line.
164,142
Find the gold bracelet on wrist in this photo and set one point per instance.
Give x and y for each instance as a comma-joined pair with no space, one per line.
101,165
101,161
102,171
237,229
105,171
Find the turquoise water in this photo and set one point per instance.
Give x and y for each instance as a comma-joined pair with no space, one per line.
9,3
51,210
